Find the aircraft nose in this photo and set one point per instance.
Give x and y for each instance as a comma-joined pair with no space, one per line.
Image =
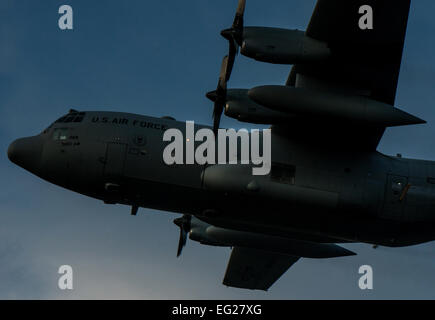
26,153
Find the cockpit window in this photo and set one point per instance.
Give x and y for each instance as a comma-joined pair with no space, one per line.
60,134
72,117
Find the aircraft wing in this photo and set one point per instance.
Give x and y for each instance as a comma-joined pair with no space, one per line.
364,62
256,269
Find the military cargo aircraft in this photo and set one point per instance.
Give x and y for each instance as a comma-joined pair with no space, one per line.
327,184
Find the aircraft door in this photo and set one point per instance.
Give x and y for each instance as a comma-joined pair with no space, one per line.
115,160
394,197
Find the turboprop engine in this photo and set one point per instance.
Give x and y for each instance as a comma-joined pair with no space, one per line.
207,234
282,46
239,106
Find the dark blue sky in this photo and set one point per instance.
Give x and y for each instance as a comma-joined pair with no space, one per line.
159,58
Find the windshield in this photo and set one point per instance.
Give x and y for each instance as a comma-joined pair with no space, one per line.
72,117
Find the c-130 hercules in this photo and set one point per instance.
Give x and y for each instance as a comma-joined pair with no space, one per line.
327,183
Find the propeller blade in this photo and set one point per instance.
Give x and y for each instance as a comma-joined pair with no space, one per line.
220,95
184,224
222,85
238,19
181,242
231,58
217,114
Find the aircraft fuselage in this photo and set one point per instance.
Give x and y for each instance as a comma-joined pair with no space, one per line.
312,193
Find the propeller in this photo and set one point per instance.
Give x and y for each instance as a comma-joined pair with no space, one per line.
219,96
234,35
184,224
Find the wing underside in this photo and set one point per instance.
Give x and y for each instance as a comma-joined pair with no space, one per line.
364,63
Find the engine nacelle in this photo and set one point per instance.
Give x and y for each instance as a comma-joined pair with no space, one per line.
282,46
239,106
318,104
214,236
198,232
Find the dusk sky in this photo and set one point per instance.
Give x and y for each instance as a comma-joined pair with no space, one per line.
160,58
